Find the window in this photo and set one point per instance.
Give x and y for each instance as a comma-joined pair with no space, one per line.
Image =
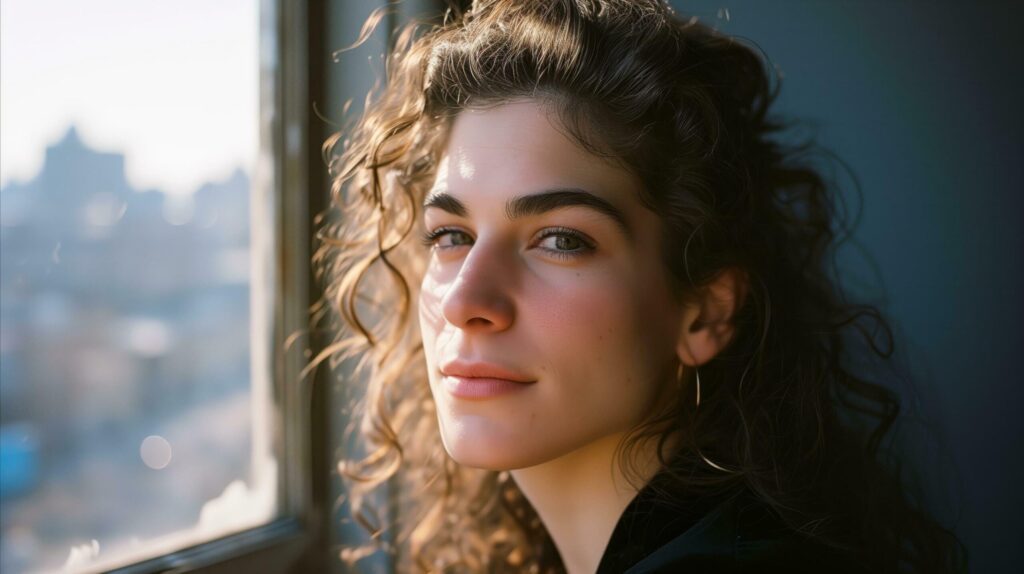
152,269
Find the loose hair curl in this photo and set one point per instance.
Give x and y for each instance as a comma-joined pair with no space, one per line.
783,412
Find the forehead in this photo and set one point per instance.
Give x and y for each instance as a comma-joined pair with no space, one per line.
517,148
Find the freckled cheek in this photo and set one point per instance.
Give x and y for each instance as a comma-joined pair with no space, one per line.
587,325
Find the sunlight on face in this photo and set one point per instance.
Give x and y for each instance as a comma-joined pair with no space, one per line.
544,269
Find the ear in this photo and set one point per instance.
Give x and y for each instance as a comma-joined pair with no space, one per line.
708,320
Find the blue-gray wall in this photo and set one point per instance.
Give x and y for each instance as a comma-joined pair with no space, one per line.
923,100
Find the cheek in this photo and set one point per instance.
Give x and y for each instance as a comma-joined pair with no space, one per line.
427,310
601,312
576,316
431,320
606,342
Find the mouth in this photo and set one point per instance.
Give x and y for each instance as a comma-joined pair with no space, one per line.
484,371
480,380
477,388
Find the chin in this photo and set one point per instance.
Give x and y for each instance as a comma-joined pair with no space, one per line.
486,456
495,463
475,451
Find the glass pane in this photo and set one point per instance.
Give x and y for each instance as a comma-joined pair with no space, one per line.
133,418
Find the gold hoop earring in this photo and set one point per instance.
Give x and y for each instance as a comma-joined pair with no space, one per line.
679,380
697,374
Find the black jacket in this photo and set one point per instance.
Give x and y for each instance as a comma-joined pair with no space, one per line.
730,533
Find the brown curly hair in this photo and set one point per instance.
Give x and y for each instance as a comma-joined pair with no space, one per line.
686,108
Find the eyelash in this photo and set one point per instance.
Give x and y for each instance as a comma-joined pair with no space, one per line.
430,238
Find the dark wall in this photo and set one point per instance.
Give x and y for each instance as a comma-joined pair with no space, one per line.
923,100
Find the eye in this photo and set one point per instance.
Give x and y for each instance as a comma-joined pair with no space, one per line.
446,238
564,242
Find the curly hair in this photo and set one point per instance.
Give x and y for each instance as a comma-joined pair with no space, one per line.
784,411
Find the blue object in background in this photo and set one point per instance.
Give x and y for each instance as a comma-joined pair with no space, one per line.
19,459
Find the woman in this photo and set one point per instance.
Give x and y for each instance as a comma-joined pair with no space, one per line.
616,346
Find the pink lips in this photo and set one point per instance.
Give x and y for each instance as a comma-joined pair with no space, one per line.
481,380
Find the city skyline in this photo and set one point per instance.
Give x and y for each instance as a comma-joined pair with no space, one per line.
183,113
124,320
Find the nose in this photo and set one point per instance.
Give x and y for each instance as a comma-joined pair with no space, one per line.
480,297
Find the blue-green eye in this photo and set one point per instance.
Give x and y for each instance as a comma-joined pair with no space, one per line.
446,238
564,242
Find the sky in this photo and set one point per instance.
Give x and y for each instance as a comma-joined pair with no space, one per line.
172,84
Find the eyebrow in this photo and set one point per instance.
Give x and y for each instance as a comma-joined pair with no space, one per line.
537,204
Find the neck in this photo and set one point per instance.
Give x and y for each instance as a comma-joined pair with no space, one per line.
580,498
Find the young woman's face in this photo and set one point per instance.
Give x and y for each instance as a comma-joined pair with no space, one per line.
544,269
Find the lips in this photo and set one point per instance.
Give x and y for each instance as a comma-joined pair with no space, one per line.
483,370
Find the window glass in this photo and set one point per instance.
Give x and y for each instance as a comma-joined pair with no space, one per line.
133,418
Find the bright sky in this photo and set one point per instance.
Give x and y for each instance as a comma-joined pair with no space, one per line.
173,84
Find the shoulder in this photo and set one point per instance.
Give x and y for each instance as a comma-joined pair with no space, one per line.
743,535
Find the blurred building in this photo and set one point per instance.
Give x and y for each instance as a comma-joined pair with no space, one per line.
123,312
